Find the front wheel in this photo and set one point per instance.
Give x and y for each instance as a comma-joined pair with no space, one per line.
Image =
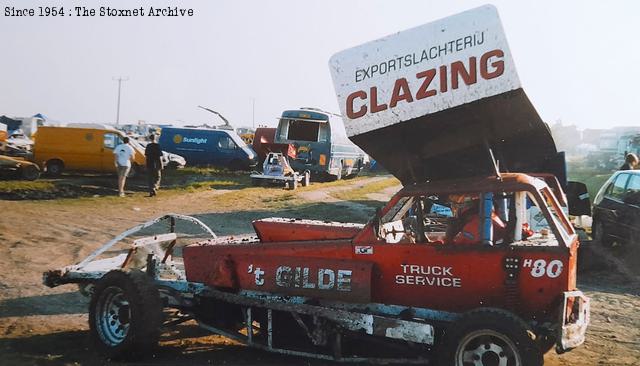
489,337
125,315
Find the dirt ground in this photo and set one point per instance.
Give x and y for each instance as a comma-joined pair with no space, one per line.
42,326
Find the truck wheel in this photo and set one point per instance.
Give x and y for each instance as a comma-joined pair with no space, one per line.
600,236
294,184
256,182
125,315
55,167
489,337
30,172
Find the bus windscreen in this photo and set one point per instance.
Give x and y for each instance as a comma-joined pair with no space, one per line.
303,130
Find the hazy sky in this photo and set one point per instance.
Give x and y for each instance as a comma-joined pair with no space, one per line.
577,60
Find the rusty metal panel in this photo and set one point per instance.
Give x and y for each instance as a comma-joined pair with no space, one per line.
283,229
335,279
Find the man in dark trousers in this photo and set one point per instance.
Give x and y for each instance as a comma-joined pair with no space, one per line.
154,165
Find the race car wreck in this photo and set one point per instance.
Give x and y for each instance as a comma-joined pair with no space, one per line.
452,270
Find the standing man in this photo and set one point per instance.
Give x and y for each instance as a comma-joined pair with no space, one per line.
124,154
154,165
631,162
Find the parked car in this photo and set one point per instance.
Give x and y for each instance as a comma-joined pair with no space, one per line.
205,146
18,168
616,209
169,160
59,149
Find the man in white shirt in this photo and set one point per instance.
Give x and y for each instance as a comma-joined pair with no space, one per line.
123,155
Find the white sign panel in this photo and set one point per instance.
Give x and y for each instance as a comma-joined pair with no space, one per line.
430,68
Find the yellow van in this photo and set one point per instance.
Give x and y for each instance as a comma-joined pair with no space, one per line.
59,149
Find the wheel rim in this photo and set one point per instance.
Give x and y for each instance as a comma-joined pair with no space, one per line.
113,316
487,348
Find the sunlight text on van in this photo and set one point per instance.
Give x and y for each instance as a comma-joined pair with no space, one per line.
437,276
415,58
194,140
433,81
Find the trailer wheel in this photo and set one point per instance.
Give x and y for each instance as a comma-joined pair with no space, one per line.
489,337
125,315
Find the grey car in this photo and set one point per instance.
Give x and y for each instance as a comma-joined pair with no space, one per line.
616,209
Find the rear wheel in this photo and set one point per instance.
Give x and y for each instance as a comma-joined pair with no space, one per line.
489,337
55,167
30,172
125,315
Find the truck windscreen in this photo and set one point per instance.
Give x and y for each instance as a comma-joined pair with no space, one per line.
303,130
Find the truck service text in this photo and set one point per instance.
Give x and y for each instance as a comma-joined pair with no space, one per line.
437,276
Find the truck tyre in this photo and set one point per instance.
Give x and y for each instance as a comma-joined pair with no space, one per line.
55,167
125,315
256,182
488,337
294,183
30,172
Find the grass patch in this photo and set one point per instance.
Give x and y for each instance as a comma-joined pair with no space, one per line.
25,185
361,192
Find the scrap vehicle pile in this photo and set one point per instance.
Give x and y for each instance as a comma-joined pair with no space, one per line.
276,170
448,271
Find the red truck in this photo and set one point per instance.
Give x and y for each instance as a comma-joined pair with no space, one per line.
449,271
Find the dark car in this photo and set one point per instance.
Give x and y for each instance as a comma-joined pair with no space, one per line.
616,209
